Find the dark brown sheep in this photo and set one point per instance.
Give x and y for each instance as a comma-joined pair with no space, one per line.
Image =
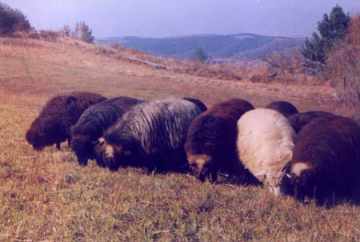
52,126
299,120
326,161
285,108
211,140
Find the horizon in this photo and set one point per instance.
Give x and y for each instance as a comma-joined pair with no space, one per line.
200,34
157,19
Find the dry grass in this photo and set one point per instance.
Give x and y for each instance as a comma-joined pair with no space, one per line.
47,197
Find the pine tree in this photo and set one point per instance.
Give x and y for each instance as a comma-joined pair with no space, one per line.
332,28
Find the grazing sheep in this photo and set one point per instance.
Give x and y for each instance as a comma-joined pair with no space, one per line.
299,120
283,107
326,161
150,135
265,143
211,141
92,124
52,126
197,102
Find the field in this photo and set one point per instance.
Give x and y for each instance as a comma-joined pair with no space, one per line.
47,197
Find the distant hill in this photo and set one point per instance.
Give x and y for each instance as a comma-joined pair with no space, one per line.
250,46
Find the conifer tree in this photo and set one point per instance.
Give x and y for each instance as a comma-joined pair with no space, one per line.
332,28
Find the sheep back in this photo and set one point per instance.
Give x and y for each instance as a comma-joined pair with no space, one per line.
285,108
265,143
299,120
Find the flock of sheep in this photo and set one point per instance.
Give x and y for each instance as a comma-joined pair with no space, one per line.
310,155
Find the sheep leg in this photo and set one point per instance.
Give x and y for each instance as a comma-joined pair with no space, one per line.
58,146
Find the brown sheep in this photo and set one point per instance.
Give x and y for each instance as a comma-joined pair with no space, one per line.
211,140
326,161
52,126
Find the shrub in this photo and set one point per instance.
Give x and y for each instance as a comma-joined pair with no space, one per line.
201,55
12,20
343,67
83,32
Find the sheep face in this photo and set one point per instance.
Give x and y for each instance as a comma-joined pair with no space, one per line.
112,155
200,165
82,145
298,180
272,182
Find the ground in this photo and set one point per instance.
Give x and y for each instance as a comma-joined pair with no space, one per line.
46,196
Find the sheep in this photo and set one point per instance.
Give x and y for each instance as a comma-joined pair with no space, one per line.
197,102
265,143
211,140
52,126
92,124
299,120
285,108
150,135
326,161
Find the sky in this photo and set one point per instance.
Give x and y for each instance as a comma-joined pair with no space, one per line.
163,18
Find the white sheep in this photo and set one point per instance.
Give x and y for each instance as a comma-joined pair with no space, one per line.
265,145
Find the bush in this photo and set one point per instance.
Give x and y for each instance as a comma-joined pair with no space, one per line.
12,20
83,32
200,55
343,66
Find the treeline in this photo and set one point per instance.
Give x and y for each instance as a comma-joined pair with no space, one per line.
13,20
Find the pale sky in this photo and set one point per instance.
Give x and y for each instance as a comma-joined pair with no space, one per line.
159,18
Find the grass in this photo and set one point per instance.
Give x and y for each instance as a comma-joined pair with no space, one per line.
47,197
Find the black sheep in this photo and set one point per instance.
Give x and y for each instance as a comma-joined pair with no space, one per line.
326,161
52,126
299,120
211,140
285,108
150,135
197,102
92,124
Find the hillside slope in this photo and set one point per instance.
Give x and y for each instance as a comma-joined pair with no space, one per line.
249,46
46,196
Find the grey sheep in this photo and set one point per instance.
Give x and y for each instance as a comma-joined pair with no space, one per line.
151,135
93,122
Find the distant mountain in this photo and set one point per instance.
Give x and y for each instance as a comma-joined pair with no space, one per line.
250,46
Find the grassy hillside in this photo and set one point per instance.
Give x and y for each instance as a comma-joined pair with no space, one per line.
47,197
249,46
